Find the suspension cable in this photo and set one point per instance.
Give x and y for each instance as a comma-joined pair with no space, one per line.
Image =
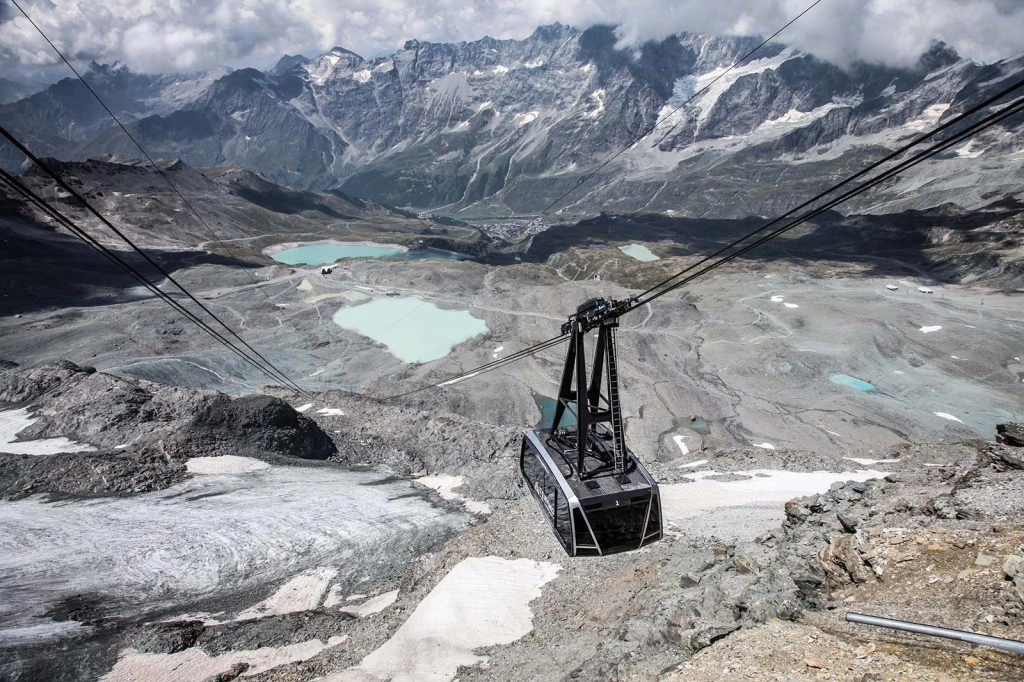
17,185
690,99
131,137
484,369
70,190
916,141
667,285
1016,107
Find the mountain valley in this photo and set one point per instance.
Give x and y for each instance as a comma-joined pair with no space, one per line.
821,413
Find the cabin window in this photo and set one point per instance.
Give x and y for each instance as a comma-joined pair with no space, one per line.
540,479
619,528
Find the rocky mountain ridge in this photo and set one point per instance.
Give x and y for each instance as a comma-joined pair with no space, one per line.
501,127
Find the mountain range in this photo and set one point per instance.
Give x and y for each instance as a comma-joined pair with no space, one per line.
505,127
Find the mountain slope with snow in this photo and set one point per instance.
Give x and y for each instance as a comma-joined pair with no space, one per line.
503,127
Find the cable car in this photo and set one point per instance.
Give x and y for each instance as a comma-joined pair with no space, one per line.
596,495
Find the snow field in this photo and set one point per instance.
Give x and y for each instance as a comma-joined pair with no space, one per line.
483,601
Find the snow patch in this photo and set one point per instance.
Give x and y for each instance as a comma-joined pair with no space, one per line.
764,446
969,151
781,299
598,99
301,593
500,69
320,69
303,408
363,76
681,501
534,64
863,461
929,117
12,422
482,602
196,664
445,485
519,120
695,463
794,119
947,415
929,330
225,464
372,606
331,412
720,80
333,597
682,446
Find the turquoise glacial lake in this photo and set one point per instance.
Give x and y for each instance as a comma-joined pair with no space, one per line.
327,253
852,382
413,330
639,252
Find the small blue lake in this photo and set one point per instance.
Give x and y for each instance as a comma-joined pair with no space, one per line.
413,330
639,252
852,382
330,252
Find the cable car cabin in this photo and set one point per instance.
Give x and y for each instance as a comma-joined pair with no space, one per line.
594,492
602,514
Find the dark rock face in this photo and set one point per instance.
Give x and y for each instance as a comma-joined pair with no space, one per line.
143,433
1010,434
167,638
257,424
88,474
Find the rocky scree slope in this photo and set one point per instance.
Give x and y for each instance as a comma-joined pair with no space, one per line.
142,433
500,127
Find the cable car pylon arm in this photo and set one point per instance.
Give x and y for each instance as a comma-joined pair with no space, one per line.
593,405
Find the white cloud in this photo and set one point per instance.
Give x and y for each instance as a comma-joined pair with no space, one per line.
175,35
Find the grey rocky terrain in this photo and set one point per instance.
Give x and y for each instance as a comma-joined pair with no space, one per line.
834,420
937,539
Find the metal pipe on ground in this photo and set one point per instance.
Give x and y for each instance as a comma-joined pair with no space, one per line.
1011,645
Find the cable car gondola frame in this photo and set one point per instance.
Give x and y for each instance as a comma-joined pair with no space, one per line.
596,495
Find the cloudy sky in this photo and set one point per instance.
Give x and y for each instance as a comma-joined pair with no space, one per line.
176,35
